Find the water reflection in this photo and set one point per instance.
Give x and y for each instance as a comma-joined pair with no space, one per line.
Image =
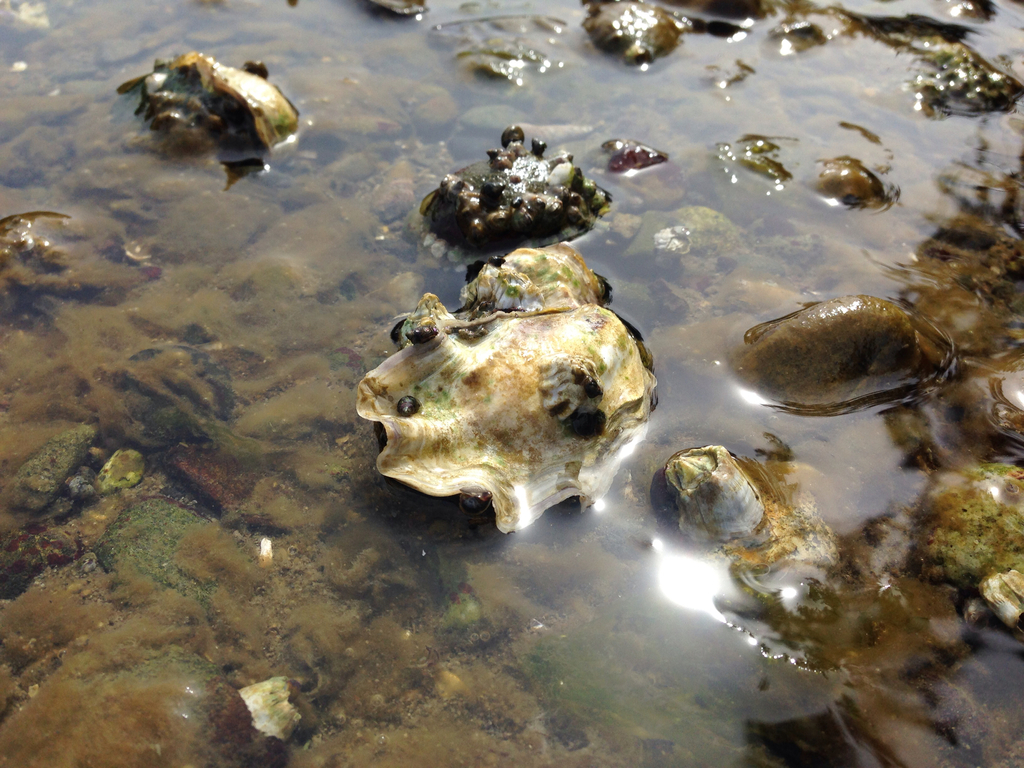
689,582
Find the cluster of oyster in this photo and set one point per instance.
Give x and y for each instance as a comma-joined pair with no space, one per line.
515,195
532,361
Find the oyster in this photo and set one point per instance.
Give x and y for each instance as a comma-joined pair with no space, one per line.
529,394
516,195
733,503
194,96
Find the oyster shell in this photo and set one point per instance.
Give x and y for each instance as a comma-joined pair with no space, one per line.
734,504
713,495
531,392
1004,593
271,711
237,107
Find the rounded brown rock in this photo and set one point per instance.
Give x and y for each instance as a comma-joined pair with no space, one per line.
840,353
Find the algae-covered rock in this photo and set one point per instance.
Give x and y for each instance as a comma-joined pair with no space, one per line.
175,394
40,479
123,470
975,525
27,552
145,539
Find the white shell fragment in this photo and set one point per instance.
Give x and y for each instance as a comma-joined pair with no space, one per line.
531,392
1004,593
272,713
266,557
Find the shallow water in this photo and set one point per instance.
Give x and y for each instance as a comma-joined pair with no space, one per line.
593,637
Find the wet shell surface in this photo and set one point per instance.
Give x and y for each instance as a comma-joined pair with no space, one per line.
532,395
713,495
734,503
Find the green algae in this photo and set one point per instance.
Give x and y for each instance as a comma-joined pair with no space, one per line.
977,526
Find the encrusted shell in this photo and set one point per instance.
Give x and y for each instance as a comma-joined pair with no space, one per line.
735,504
555,277
533,406
712,494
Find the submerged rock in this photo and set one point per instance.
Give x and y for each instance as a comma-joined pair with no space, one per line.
28,551
638,32
401,7
41,478
526,396
145,538
513,48
694,239
845,180
841,354
196,99
516,196
732,9
218,478
797,36
735,505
